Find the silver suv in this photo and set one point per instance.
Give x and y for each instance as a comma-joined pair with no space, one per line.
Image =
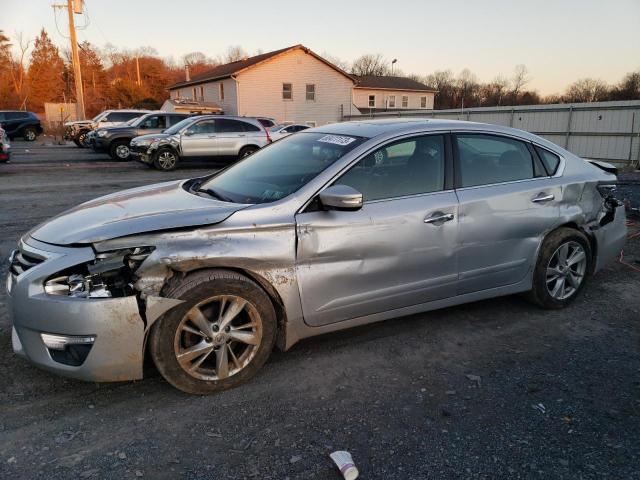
203,137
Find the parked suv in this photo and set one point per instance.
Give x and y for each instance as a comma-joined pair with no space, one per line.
20,124
202,137
77,131
115,140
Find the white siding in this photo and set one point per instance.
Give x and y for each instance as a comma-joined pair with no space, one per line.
361,98
260,90
212,94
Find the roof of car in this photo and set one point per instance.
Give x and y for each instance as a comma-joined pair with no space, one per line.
373,128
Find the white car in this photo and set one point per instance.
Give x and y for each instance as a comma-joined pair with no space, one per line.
281,131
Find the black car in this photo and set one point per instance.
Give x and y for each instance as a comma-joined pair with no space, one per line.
17,123
115,140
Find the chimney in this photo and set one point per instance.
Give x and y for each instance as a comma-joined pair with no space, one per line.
186,73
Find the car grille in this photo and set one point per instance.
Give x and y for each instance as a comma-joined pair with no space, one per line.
21,262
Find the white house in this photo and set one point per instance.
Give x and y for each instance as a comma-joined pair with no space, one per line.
383,93
296,85
290,85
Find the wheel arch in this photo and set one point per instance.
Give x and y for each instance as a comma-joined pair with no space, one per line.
593,244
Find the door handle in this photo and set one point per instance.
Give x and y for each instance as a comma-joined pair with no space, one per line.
439,217
212,136
241,135
543,198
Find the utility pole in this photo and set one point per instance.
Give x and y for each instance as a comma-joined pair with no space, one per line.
137,71
75,56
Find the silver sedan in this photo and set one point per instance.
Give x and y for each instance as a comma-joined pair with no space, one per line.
337,226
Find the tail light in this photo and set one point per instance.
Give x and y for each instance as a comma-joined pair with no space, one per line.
266,130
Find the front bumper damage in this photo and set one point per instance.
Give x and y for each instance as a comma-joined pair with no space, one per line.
117,325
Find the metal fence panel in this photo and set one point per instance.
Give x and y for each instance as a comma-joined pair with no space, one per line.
600,130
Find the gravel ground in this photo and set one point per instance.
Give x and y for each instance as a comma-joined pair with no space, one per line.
493,389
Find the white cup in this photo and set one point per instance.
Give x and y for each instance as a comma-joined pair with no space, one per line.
345,463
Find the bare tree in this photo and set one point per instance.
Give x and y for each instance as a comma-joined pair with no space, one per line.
338,62
444,82
467,84
587,90
519,80
18,69
234,53
370,64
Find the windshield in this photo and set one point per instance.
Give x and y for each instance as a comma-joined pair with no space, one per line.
281,168
98,116
277,128
179,126
134,122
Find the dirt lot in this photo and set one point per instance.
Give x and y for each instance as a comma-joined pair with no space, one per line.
402,396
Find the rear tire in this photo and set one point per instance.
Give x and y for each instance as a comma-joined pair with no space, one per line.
246,151
563,264
165,159
30,134
119,150
219,337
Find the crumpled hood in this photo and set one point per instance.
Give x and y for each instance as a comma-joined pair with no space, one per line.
150,136
145,209
78,122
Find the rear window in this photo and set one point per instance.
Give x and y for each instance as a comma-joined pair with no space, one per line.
265,122
550,160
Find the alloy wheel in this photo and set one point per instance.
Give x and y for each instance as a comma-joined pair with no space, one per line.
218,337
31,135
566,270
167,160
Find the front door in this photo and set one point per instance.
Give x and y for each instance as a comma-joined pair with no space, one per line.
200,140
507,202
398,250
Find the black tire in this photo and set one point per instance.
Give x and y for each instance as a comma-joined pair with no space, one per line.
540,293
195,289
119,150
162,159
30,134
246,151
80,139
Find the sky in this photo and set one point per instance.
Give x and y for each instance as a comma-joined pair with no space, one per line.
559,41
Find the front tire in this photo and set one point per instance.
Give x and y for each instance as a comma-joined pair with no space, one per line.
563,265
165,159
80,139
219,337
119,150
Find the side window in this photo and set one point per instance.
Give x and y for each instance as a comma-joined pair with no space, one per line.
204,127
487,159
229,126
121,116
250,127
173,119
372,101
153,122
550,160
407,167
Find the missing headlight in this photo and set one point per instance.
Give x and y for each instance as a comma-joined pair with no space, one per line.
111,274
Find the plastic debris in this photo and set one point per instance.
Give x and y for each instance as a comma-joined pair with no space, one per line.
475,378
540,407
345,463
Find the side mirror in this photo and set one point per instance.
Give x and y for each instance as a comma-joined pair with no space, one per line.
187,133
341,197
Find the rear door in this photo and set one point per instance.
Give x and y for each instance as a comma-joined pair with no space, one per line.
398,250
507,203
232,136
200,140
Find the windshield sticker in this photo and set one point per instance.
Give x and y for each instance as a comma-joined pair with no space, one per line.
337,139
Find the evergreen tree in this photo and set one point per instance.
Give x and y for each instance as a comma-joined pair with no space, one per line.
46,74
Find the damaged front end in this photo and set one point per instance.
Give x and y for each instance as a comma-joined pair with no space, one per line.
76,312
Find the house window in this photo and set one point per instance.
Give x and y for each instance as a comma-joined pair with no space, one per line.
202,93
391,102
405,101
311,92
423,102
287,91
194,93
372,101
221,91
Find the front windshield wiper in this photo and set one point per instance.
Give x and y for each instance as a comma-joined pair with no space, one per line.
215,194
